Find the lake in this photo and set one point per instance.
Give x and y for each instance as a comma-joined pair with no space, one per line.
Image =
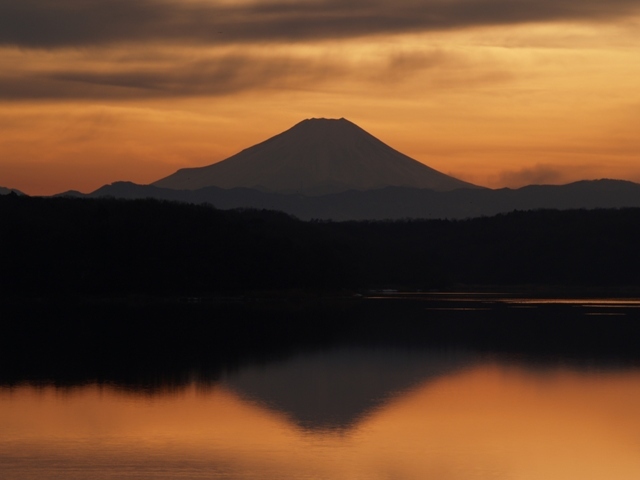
383,409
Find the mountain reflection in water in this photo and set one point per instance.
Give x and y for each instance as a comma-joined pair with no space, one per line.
335,389
339,414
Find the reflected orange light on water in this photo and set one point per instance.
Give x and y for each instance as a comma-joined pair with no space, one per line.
487,422
510,423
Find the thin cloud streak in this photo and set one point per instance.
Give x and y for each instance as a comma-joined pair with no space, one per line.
69,23
222,76
237,73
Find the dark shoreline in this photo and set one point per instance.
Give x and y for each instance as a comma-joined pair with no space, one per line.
134,341
133,291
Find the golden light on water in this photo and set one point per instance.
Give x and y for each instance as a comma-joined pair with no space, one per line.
490,421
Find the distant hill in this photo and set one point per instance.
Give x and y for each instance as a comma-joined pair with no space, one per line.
396,202
6,191
314,157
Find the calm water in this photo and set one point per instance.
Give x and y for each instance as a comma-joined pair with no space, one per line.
344,413
341,414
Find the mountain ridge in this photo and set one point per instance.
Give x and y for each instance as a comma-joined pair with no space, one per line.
391,203
7,191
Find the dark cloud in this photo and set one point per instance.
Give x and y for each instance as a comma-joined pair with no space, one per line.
123,78
64,23
226,75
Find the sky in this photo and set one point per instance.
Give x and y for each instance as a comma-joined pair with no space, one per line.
495,92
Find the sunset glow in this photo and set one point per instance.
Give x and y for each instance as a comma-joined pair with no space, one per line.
502,93
489,422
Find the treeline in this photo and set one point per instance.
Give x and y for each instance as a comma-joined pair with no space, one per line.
544,247
52,246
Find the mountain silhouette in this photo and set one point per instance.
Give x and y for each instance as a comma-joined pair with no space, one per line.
315,157
395,202
6,191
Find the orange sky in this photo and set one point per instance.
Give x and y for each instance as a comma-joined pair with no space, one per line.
499,93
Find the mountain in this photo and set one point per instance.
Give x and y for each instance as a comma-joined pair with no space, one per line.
397,202
6,191
317,156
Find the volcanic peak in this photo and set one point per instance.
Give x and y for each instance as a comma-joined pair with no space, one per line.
316,156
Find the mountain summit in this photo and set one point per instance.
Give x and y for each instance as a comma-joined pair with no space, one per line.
315,156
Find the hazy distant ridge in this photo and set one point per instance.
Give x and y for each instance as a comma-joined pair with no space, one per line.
398,202
6,191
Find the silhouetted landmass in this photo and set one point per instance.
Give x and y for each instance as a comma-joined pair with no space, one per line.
316,156
120,247
111,247
7,191
393,203
169,344
145,290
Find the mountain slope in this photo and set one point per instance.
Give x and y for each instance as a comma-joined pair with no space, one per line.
316,156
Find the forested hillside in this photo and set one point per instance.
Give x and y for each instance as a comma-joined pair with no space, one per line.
117,247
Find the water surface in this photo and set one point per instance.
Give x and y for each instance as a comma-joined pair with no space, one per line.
345,413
